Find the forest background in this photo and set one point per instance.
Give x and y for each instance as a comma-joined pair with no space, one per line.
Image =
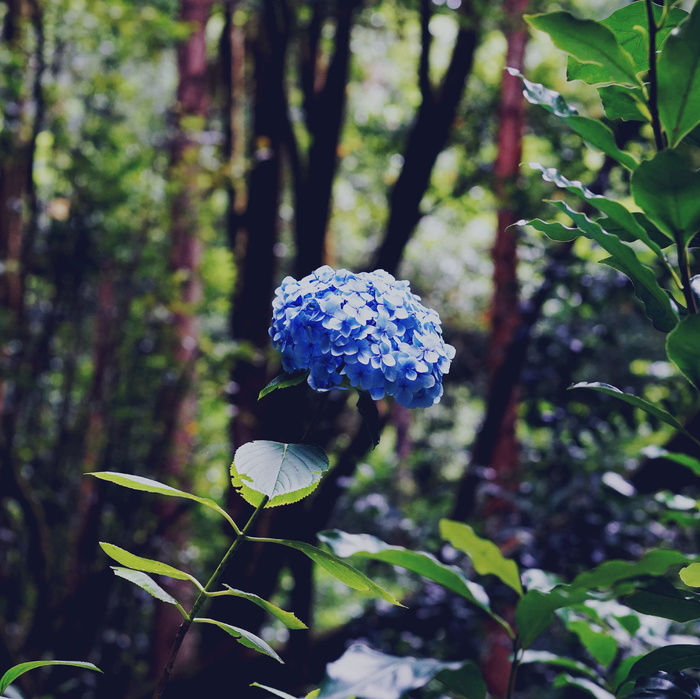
163,166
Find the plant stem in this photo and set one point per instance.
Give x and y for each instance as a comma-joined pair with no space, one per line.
684,266
201,599
653,102
513,668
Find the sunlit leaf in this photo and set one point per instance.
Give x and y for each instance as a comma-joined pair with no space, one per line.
272,690
690,575
284,380
367,674
601,645
14,672
547,658
485,556
626,103
285,473
145,582
287,618
679,80
146,565
589,42
424,564
246,638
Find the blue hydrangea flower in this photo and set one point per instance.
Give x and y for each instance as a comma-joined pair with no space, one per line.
365,330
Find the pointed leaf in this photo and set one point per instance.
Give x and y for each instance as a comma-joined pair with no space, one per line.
276,692
644,405
146,565
465,682
485,556
367,674
287,618
593,131
148,485
547,658
284,380
678,72
660,598
690,575
589,42
657,303
285,473
629,27
667,188
145,582
611,208
683,348
14,672
424,564
340,570
669,658
246,638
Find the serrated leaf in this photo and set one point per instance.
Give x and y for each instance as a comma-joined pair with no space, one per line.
547,658
678,72
588,42
485,556
593,131
465,682
370,416
424,564
146,565
660,598
614,210
669,658
667,188
340,570
147,485
287,618
657,303
284,380
246,638
367,674
637,402
629,27
285,473
14,672
683,348
690,575
145,582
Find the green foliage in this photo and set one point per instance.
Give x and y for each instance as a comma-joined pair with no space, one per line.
145,565
682,348
284,380
14,672
246,638
282,473
147,583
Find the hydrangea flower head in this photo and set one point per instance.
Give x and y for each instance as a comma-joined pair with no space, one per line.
365,330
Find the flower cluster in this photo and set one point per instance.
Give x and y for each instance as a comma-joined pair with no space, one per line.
365,330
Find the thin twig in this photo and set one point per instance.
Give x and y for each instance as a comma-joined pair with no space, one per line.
653,105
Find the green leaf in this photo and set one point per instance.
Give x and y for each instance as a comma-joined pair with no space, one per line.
602,647
683,348
637,402
615,211
690,575
367,674
588,42
592,131
657,303
678,72
285,473
287,618
148,485
146,565
485,556
145,582
582,683
668,190
424,564
535,610
339,569
284,380
682,459
626,103
629,27
246,638
370,416
660,598
465,682
669,658
547,658
276,692
14,672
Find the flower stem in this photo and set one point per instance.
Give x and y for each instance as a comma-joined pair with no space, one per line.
653,101
202,598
